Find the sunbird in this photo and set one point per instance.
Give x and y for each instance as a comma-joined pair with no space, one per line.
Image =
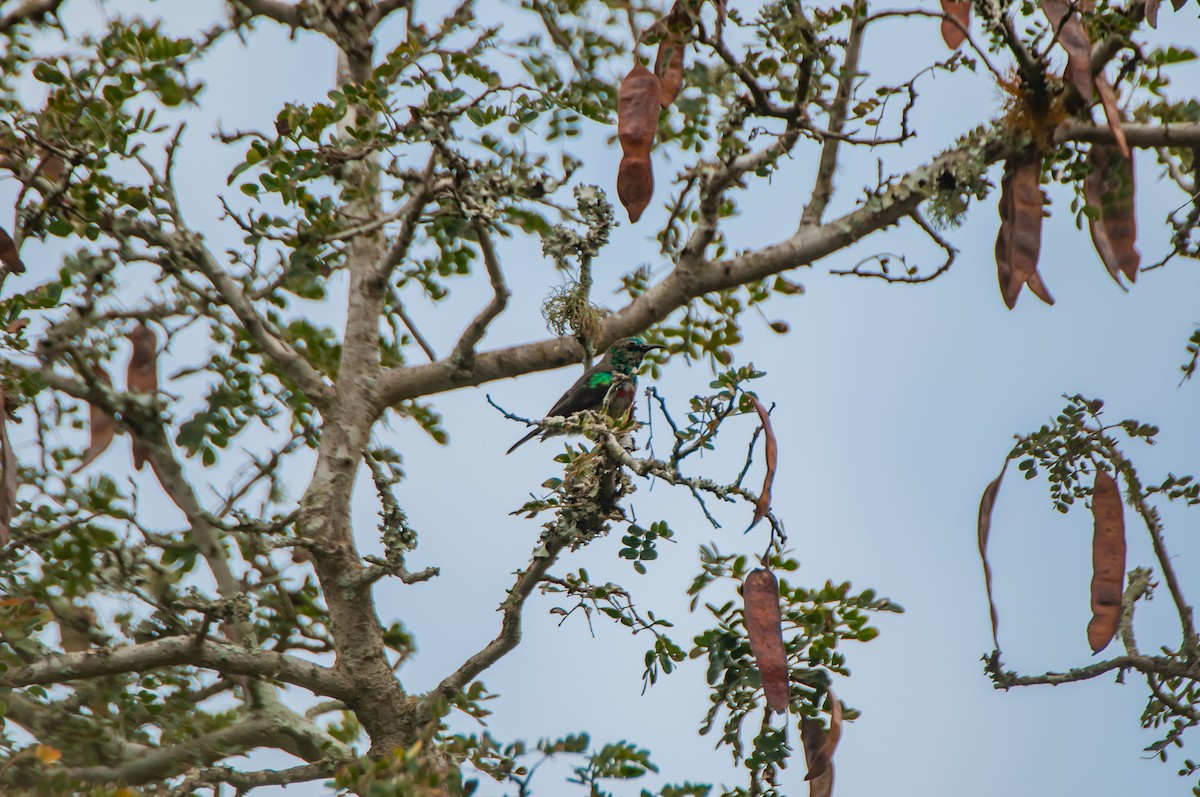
618,365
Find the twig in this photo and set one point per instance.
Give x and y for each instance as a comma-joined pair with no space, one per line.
464,350
411,325
823,186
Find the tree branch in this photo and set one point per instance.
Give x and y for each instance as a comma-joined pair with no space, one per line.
510,625
465,348
31,11
823,187
283,13
165,762
1143,136
1157,665
179,651
245,781
382,9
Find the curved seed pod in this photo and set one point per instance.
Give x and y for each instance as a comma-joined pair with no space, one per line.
1073,38
142,376
764,626
819,747
1019,241
8,254
1109,187
1108,98
952,34
1152,12
772,456
1108,561
100,424
986,504
638,105
668,64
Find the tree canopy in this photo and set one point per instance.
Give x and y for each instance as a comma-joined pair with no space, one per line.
270,318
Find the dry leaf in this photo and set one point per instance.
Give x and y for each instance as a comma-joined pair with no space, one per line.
764,626
638,105
952,34
668,64
8,254
1178,4
47,754
51,167
1108,561
142,376
1152,13
1109,187
1019,241
986,503
764,499
819,747
1073,38
100,424
1112,113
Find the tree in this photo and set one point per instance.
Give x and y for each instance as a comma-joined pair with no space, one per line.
139,654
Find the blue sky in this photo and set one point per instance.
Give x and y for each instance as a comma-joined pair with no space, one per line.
895,406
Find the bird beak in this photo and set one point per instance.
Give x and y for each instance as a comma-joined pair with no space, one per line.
651,347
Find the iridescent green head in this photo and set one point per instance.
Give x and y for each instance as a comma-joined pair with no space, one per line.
627,353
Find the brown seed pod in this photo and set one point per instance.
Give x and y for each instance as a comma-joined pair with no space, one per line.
986,504
1109,187
668,64
638,105
142,376
100,424
764,626
952,34
1108,561
1073,38
1019,242
772,457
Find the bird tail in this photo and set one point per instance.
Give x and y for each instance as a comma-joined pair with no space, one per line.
523,440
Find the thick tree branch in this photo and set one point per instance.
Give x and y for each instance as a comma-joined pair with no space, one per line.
245,781
1142,136
55,725
179,651
202,750
883,209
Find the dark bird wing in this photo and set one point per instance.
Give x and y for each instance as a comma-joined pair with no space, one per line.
580,396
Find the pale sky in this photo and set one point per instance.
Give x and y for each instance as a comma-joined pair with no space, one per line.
895,406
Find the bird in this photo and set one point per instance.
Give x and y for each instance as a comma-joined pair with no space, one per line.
618,365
